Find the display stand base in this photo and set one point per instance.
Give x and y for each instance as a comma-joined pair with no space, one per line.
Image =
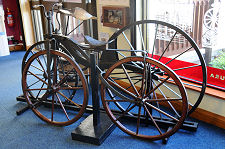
88,133
25,108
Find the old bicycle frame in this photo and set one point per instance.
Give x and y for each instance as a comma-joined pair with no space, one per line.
139,88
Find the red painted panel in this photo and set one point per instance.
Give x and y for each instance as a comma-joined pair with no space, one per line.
215,77
16,29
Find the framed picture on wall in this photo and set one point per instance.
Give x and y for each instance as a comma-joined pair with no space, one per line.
73,1
115,16
51,0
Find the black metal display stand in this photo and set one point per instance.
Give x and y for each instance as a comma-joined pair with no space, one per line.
96,127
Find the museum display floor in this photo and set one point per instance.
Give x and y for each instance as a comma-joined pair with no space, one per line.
27,131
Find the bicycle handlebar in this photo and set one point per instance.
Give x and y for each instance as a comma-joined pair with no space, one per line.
45,12
78,13
36,6
57,5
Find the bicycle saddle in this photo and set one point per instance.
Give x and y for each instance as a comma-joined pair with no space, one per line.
78,13
95,44
82,14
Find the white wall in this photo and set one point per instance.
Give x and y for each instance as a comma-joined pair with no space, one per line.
100,3
27,22
4,50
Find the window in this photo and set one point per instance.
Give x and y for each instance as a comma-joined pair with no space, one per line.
200,19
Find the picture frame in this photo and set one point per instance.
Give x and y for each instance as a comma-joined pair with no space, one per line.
115,16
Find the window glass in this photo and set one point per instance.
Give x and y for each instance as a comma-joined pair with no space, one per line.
201,20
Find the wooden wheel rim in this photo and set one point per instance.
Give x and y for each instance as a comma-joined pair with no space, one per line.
82,78
178,83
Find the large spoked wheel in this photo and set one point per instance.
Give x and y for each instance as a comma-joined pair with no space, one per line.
143,99
49,97
169,45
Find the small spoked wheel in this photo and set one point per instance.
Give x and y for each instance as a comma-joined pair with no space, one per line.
138,98
170,45
49,90
41,46
59,43
211,19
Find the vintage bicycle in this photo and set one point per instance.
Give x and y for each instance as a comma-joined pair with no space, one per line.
138,87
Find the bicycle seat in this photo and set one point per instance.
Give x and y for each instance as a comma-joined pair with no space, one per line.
78,13
95,44
82,14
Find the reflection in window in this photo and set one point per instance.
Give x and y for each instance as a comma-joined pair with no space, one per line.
203,20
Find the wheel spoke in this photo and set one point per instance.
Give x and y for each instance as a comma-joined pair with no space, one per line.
36,89
122,78
121,88
63,72
148,82
157,87
113,98
53,103
167,46
170,89
69,99
40,90
40,63
135,84
178,55
142,39
34,83
70,88
138,119
126,88
186,67
153,48
38,101
120,100
154,122
64,110
189,84
64,78
163,99
38,77
164,113
128,41
37,68
156,103
126,112
54,70
132,84
210,13
37,74
168,101
142,89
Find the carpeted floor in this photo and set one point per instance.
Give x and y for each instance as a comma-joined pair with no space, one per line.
29,132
